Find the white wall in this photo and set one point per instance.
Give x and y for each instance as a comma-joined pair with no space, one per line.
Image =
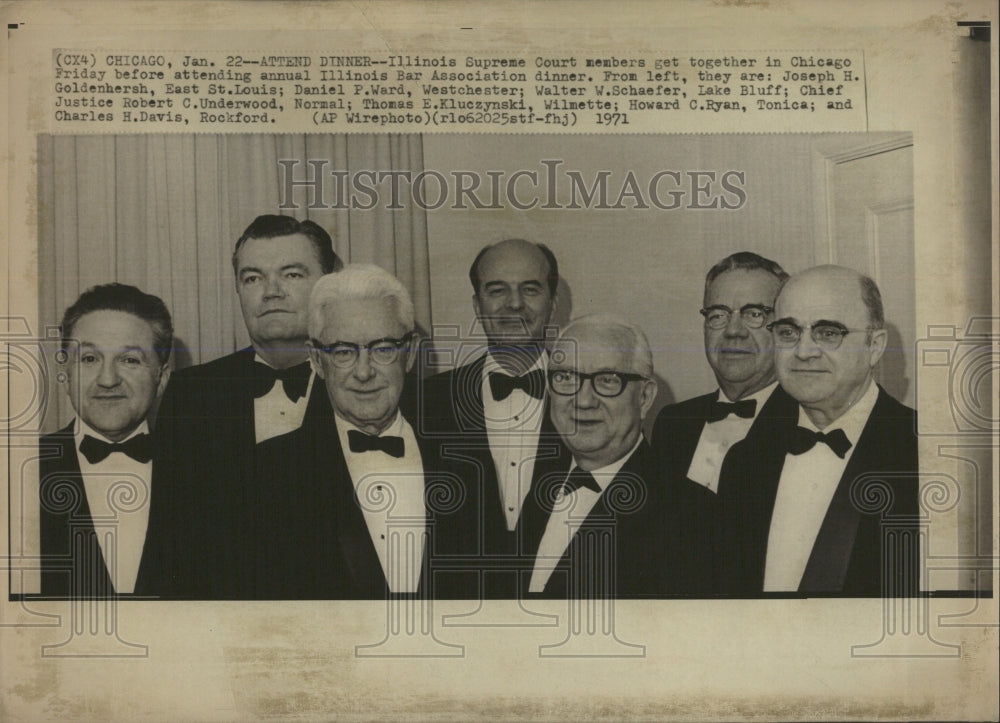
648,265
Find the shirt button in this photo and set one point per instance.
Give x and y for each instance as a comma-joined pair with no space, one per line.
510,509
513,464
517,418
382,536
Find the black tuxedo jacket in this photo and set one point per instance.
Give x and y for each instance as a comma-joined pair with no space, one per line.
675,438
679,426
636,542
877,492
450,415
308,500
207,457
68,567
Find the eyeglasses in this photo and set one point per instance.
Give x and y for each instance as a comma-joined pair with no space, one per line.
607,384
826,334
344,354
753,315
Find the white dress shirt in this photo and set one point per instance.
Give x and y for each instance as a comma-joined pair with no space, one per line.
117,490
568,513
808,482
391,494
512,427
717,437
275,414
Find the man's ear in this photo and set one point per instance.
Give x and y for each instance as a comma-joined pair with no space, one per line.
314,360
648,396
880,338
410,350
164,378
475,305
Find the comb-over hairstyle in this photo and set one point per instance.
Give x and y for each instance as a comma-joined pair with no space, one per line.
127,299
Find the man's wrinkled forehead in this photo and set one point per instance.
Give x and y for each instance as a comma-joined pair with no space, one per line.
817,298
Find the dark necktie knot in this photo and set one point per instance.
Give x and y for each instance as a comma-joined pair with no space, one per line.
805,439
361,442
579,478
532,383
745,408
294,380
96,450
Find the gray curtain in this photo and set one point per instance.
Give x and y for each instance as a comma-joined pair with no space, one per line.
162,212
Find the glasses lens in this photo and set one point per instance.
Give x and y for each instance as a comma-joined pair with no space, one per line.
564,382
828,337
717,319
753,318
608,384
385,352
785,334
343,355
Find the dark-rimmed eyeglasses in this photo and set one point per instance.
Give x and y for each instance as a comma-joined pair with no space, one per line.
606,384
752,315
827,335
344,354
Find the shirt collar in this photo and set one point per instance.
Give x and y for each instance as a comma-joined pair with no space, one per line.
760,396
492,366
852,421
395,428
604,475
81,428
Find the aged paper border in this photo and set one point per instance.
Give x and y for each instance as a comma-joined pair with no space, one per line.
703,659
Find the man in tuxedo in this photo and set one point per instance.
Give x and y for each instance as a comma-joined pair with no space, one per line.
692,437
116,343
359,502
493,411
609,524
825,502
215,414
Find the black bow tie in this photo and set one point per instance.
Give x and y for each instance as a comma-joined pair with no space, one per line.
579,478
805,439
361,442
96,450
744,408
294,380
532,383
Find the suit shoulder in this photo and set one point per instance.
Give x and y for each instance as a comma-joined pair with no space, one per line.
216,369
682,412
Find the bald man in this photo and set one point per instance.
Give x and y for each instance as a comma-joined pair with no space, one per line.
824,502
493,411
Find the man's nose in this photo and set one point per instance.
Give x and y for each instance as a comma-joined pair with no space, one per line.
274,288
363,368
735,325
806,348
514,300
587,397
108,375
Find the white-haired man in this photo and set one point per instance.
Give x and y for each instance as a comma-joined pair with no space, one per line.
357,500
606,526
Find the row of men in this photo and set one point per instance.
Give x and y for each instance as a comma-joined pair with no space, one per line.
314,465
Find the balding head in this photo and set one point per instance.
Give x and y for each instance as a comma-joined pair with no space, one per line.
836,314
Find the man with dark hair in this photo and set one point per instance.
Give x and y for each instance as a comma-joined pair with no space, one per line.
494,409
215,414
116,343
692,437
824,501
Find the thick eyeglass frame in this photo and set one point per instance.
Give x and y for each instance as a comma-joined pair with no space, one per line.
746,315
828,335
372,347
623,379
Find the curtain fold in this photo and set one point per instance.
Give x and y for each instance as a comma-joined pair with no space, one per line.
163,212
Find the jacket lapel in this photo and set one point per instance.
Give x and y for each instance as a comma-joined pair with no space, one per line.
831,553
